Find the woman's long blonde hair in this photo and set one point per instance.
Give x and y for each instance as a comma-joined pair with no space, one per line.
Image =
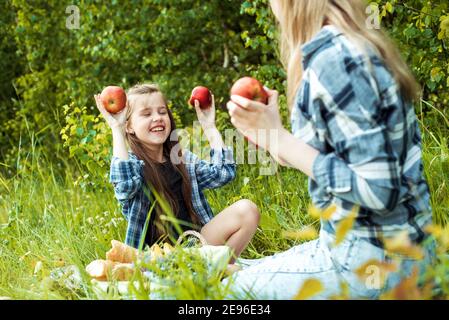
300,20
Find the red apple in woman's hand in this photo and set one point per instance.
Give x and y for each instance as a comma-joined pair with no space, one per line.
202,94
250,88
113,99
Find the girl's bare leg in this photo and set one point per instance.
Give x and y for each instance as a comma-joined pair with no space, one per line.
234,226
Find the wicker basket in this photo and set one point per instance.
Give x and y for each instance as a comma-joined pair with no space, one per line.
192,234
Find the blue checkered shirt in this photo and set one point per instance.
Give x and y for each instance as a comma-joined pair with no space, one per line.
127,179
350,108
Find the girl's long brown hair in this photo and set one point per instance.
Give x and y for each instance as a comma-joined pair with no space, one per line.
152,175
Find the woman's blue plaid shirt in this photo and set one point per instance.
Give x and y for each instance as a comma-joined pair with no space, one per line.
127,179
350,108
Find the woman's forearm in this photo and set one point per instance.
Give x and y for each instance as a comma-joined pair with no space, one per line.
293,151
119,143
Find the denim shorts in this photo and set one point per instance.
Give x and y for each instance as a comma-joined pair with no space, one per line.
281,276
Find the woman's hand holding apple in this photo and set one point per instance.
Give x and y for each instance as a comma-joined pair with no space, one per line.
259,122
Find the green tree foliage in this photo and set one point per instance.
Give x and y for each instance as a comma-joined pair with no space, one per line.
421,30
10,68
177,44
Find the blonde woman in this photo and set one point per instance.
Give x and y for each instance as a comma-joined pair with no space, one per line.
355,135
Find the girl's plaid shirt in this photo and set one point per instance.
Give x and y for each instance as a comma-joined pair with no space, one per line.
349,107
127,179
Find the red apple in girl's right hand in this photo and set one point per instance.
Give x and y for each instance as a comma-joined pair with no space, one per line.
250,88
202,94
113,99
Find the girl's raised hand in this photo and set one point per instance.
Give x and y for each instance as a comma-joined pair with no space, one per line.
117,120
206,117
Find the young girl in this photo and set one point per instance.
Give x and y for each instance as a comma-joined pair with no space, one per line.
147,124
355,135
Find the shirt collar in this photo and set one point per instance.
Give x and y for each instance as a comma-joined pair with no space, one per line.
325,34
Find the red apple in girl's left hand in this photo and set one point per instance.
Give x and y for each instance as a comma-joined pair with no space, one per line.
203,95
113,99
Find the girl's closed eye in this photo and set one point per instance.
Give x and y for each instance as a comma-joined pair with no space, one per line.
146,112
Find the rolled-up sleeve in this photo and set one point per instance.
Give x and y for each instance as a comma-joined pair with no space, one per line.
220,170
125,176
371,184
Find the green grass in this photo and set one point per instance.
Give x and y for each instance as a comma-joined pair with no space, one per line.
49,220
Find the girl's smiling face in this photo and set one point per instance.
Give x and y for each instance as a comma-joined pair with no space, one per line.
149,120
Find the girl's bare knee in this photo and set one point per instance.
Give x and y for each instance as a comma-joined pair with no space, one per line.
246,205
249,212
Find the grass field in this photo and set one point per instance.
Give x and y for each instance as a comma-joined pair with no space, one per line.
47,221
